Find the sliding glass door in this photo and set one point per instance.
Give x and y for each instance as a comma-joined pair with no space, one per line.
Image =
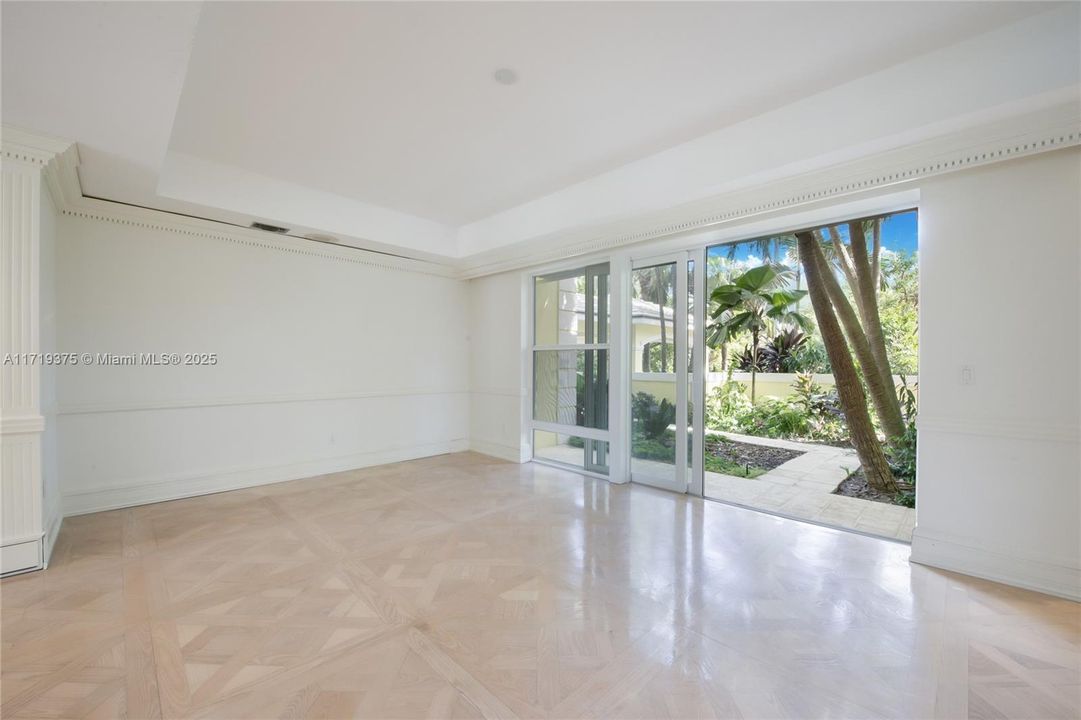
571,328
660,345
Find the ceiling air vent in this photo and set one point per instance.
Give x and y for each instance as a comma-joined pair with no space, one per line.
270,228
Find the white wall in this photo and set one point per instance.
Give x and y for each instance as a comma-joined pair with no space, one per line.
497,384
999,483
324,364
52,506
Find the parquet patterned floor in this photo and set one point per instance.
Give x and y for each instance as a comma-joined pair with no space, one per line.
463,586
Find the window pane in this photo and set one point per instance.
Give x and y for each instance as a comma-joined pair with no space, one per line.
653,312
571,450
653,385
570,387
691,399
571,308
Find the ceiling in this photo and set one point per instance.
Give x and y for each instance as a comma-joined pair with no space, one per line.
385,119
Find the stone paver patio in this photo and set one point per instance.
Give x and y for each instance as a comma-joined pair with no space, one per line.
802,488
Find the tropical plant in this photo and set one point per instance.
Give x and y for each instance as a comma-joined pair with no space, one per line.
849,384
755,302
898,305
810,413
826,421
811,357
774,418
778,355
726,405
652,418
745,361
809,394
902,451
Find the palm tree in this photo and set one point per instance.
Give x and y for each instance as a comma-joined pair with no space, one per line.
827,307
862,325
656,285
754,302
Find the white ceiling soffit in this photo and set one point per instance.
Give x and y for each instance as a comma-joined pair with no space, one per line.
381,123
105,74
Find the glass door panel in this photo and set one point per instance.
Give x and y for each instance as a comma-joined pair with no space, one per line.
570,368
658,403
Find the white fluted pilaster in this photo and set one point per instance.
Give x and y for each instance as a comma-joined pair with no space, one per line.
21,421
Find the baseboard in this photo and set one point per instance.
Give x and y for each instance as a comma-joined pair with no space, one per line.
20,556
152,490
51,533
948,554
503,452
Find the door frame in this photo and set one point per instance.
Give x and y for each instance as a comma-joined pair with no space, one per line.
681,480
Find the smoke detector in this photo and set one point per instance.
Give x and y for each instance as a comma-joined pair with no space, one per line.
505,76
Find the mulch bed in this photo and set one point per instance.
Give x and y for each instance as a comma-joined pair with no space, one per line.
855,485
760,456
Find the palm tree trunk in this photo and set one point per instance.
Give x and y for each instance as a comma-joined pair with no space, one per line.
661,300
876,253
867,292
849,389
879,384
754,362
841,253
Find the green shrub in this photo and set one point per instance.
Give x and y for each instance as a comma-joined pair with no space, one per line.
774,418
647,448
811,357
651,418
811,413
726,404
902,452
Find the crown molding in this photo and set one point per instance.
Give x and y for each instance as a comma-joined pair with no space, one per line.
1050,128
58,160
35,148
158,220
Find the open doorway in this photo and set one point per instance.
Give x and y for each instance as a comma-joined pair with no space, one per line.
811,374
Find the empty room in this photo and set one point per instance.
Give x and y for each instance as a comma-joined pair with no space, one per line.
540,360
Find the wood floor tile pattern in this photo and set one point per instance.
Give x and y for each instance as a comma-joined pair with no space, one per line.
462,586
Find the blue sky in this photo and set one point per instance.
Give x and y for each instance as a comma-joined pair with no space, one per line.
899,234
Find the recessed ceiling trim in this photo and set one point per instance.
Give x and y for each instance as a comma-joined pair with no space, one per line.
956,152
